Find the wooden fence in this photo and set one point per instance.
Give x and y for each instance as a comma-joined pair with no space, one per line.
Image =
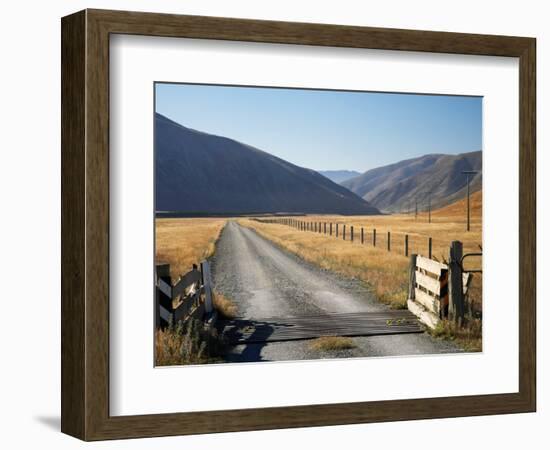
348,233
439,291
190,297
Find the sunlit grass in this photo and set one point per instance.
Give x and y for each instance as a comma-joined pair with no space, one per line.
184,242
331,343
468,337
187,343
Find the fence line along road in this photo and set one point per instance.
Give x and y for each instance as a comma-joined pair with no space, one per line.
436,290
347,234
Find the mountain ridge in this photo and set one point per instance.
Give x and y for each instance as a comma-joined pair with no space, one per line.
201,172
433,177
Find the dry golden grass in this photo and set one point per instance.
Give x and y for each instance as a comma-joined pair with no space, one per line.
468,337
184,242
328,343
186,344
458,209
386,272
225,307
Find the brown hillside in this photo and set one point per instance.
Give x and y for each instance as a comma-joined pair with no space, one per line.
459,208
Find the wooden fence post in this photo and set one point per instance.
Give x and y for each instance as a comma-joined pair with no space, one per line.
374,237
389,241
324,228
205,269
456,297
336,230
319,227
351,233
406,245
330,228
362,236
412,276
344,232
430,248
164,302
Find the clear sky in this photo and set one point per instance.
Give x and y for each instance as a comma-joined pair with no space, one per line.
328,130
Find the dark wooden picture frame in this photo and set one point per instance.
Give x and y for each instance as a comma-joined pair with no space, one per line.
85,224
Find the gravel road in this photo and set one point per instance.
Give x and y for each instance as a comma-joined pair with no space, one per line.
267,281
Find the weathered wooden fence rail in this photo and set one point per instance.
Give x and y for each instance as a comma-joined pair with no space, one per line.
439,291
192,295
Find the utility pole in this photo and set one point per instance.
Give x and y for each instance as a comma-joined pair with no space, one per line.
468,173
430,207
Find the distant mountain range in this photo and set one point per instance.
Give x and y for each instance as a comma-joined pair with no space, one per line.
200,173
338,176
396,187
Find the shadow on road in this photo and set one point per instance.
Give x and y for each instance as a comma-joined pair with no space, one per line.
246,338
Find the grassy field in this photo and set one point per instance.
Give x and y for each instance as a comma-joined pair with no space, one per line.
385,272
184,242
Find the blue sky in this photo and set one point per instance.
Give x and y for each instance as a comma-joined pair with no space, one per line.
328,130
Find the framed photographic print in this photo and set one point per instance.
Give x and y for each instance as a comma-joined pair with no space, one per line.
343,214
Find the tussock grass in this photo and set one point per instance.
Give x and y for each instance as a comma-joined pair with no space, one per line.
328,343
467,337
188,343
184,242
225,307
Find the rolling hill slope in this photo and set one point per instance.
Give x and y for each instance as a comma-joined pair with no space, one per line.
398,186
458,208
197,172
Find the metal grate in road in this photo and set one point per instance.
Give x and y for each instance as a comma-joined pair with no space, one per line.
277,329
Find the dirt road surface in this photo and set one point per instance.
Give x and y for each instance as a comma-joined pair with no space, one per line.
267,281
